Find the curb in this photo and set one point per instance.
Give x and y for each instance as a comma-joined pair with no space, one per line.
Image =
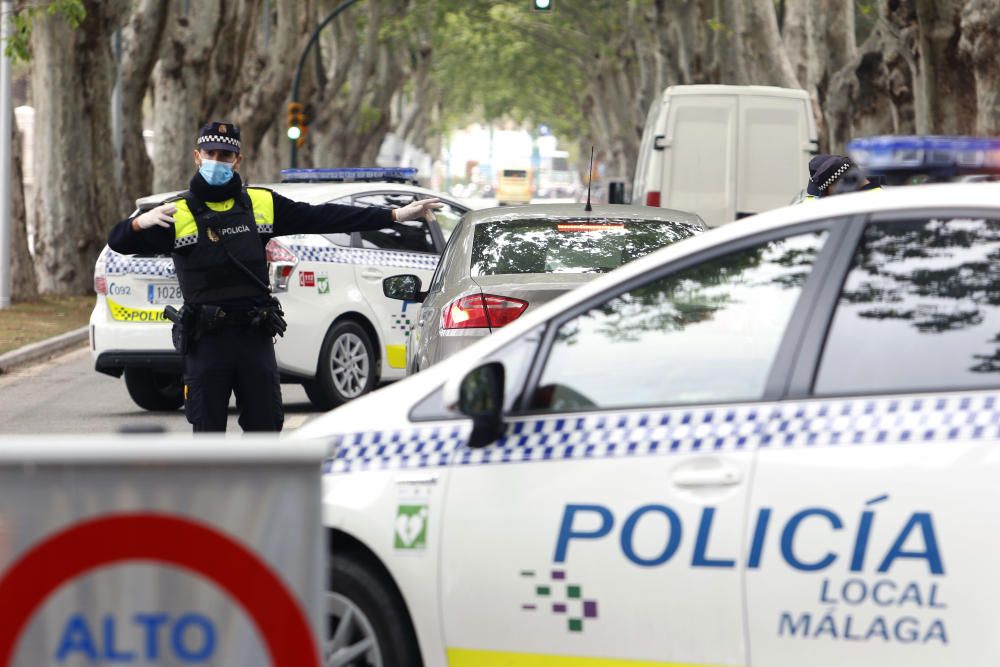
42,349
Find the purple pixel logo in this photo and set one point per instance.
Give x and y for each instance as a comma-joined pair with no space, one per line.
560,598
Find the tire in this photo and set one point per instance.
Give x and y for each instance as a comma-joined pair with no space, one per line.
375,615
154,390
336,384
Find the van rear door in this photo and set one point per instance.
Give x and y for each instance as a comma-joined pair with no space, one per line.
698,168
772,159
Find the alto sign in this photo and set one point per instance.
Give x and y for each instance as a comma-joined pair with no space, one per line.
154,559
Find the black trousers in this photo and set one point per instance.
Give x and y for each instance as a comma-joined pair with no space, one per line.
233,359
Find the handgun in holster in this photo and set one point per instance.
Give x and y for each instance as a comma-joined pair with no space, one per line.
270,318
183,332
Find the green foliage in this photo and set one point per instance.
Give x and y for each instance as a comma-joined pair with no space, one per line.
500,60
19,45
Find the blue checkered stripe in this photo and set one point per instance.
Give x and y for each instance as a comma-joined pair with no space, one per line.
122,265
364,256
423,447
804,424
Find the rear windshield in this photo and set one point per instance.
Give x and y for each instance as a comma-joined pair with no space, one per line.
515,173
568,246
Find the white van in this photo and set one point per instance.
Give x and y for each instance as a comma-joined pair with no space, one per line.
725,152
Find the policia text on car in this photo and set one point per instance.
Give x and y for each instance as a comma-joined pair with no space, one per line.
216,232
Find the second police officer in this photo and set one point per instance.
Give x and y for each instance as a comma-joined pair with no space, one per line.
216,233
834,175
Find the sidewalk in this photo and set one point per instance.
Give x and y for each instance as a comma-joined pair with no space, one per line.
33,330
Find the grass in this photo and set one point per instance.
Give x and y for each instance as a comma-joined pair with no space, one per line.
32,321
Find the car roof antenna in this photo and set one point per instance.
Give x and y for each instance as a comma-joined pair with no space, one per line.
590,179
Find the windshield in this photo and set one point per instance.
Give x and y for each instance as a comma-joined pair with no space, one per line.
568,245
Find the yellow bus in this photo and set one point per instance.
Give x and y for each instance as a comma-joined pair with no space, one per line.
514,186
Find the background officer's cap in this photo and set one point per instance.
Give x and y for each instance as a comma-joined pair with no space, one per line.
219,135
824,171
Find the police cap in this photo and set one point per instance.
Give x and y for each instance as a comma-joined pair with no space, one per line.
219,135
824,171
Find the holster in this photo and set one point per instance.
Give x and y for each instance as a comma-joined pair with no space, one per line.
270,318
184,330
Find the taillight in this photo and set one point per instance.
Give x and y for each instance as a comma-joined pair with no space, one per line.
482,311
652,199
100,271
280,263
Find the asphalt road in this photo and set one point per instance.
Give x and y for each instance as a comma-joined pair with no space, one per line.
66,395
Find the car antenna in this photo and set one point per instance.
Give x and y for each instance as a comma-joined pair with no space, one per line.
590,179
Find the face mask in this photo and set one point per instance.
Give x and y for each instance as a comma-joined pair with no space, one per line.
215,172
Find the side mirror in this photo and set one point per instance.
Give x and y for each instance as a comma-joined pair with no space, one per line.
616,192
403,288
480,396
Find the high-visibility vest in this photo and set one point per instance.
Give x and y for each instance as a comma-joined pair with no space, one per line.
205,231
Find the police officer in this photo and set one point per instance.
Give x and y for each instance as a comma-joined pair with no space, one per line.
216,232
834,174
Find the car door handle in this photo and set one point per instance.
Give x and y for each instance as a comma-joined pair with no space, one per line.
371,274
421,479
721,475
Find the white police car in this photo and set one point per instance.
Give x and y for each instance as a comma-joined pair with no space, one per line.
344,336
777,443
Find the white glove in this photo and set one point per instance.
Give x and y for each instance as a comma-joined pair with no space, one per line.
416,209
162,215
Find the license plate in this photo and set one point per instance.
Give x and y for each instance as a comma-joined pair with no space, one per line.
164,294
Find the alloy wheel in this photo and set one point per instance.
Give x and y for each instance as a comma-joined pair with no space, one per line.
352,640
349,364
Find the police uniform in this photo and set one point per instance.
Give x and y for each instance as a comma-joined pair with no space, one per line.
217,243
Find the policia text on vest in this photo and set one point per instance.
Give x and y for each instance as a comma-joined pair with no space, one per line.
216,233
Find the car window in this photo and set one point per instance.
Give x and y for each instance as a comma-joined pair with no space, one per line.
447,259
567,245
919,310
705,334
447,218
340,238
394,239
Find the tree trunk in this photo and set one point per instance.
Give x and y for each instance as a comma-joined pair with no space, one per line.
873,94
362,72
24,284
980,37
818,36
141,41
267,76
768,60
196,79
732,51
944,88
77,196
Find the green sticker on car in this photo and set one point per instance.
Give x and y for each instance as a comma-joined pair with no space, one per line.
411,527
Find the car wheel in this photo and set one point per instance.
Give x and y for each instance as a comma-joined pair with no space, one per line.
155,390
367,625
347,366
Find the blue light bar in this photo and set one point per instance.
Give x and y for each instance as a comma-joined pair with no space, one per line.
936,156
349,174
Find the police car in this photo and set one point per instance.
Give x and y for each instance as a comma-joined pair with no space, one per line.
345,336
777,443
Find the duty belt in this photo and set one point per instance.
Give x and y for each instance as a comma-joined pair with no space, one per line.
227,317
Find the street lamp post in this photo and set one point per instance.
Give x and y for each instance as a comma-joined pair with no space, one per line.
302,59
6,130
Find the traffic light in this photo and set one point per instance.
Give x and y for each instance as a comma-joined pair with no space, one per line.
541,5
295,121
305,116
